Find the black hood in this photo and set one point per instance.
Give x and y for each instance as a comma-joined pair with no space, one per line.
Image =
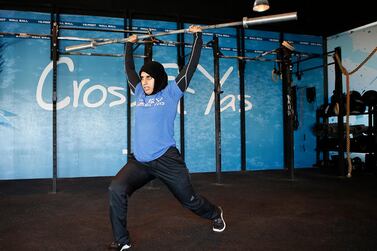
156,71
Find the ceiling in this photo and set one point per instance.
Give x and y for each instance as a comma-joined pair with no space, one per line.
314,17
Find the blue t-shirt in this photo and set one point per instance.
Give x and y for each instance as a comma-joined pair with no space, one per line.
154,121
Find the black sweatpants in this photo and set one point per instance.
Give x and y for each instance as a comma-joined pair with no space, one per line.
172,171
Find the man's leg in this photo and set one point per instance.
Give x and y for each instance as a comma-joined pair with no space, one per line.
172,171
131,177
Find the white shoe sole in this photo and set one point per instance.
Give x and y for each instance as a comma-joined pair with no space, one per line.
222,218
125,247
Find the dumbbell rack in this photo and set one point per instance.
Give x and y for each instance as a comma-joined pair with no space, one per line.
324,145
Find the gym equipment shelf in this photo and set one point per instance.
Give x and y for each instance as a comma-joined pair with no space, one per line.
365,142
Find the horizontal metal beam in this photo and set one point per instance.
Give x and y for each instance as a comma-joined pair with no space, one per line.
99,29
98,54
24,34
246,22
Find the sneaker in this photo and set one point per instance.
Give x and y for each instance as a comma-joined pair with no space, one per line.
219,223
120,247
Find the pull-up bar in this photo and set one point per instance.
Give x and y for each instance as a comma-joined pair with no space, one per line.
246,22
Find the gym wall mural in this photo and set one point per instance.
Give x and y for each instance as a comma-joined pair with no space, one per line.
25,128
92,112
356,45
264,125
92,126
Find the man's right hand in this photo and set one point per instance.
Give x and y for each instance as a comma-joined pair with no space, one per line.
133,38
195,28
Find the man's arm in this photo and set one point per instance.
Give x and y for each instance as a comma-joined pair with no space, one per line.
133,77
185,75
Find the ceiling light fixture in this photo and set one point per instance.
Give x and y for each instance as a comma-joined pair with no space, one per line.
261,5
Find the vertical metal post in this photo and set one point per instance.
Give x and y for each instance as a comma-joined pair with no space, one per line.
54,58
181,63
325,71
129,126
325,119
288,109
217,91
339,97
241,74
373,132
370,157
148,51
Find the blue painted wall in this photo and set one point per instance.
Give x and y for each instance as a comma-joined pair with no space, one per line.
92,128
25,128
199,102
264,119
304,139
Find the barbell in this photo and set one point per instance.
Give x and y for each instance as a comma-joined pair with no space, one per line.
246,22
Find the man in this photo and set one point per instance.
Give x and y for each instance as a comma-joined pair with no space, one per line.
155,152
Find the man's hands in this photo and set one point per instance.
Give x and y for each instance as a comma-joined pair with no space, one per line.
192,29
195,28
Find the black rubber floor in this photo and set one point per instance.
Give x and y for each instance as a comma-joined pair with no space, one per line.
264,210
